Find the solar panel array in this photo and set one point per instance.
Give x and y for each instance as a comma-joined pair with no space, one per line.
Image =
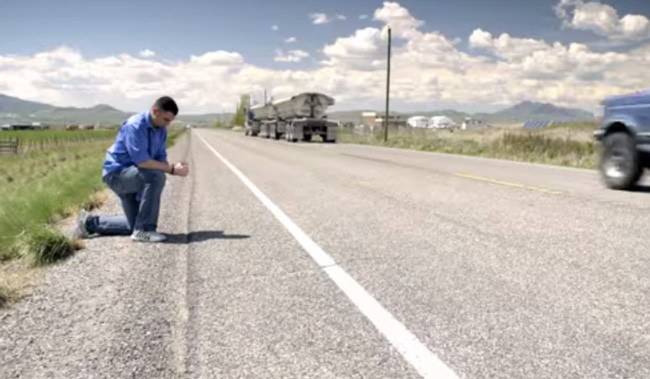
538,124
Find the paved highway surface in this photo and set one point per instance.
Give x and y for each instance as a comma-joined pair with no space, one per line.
315,260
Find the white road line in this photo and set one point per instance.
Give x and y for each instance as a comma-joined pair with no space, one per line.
415,352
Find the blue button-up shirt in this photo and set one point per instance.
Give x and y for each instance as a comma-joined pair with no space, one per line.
137,141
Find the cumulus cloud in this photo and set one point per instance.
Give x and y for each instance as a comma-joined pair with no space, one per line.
603,20
217,58
323,18
428,69
290,40
147,53
290,56
506,46
65,77
537,58
210,82
275,28
398,18
363,50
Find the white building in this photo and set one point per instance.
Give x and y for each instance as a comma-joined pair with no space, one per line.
441,122
418,122
368,119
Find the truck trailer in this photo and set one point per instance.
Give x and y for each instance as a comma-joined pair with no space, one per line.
297,118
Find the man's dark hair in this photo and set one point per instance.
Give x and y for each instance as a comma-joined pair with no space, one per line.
166,104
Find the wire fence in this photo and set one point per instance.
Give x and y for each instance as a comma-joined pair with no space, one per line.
29,141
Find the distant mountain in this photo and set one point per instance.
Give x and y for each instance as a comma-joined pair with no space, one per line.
207,119
99,113
532,111
524,111
15,110
10,104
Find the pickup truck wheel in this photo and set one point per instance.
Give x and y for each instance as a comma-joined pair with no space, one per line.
620,164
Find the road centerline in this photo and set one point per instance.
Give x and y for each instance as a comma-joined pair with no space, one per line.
507,184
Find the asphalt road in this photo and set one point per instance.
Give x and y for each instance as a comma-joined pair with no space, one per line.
344,261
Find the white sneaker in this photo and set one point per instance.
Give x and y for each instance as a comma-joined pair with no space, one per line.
80,230
143,236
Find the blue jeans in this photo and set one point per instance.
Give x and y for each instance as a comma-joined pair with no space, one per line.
139,190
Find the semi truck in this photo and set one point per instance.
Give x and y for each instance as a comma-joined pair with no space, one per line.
298,118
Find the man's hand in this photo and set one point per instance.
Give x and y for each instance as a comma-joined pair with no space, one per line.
181,169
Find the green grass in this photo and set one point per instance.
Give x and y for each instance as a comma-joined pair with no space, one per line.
39,187
173,133
566,145
45,246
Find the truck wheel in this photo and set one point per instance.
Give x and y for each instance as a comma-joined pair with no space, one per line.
288,135
620,165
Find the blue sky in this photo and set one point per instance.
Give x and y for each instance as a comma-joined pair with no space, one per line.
175,31
178,29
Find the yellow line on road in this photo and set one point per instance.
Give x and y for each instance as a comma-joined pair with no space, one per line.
508,184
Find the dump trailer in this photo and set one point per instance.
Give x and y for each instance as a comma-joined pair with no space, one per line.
297,118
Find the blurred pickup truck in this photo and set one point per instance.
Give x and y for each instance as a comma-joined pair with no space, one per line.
624,133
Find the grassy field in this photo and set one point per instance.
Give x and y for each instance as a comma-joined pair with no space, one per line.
41,186
564,144
36,140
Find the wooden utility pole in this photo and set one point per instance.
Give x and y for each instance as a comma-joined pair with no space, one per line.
387,90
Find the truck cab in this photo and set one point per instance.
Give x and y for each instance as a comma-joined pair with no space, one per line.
624,133
251,126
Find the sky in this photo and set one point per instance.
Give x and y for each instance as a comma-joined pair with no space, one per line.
468,55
